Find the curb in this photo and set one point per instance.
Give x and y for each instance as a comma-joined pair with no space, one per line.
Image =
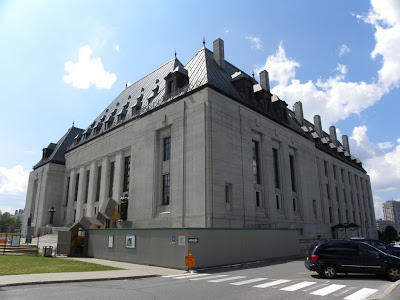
78,280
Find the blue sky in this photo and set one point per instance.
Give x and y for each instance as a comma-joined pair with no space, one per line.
65,61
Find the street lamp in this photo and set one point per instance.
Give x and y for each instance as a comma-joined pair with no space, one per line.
52,210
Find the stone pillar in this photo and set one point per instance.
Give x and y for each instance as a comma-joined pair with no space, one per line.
71,194
92,189
81,193
118,176
104,182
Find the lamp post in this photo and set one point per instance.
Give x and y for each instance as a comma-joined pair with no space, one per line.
52,210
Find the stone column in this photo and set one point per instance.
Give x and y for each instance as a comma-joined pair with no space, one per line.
70,204
81,194
92,189
104,182
118,175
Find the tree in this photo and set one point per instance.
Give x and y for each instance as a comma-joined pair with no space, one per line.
389,234
8,223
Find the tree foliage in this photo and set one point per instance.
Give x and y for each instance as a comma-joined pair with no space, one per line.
389,234
8,223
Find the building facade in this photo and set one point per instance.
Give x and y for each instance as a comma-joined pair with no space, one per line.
391,212
204,145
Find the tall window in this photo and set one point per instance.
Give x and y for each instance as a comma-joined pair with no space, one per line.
171,87
67,192
314,206
340,216
228,192
349,177
294,204
258,199
334,172
98,183
342,174
111,187
278,201
76,187
165,190
292,173
330,215
326,167
87,185
276,167
337,193
127,170
256,163
167,148
327,191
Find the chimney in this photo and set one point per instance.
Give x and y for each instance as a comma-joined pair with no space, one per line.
298,111
264,80
317,125
219,57
332,134
345,140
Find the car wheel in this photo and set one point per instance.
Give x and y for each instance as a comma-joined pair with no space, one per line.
328,271
393,273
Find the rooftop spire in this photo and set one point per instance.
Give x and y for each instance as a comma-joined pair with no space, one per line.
175,53
204,42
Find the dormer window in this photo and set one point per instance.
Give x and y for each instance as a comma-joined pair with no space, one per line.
171,87
176,79
244,85
103,118
98,127
114,112
78,138
122,114
136,108
87,132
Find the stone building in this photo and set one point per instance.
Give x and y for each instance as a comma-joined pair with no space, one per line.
391,212
203,145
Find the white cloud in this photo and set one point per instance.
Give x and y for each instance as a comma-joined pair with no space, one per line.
383,167
255,42
280,68
385,17
117,48
29,152
88,71
385,145
343,50
13,181
226,30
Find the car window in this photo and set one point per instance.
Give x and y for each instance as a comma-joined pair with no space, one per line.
344,249
367,251
379,245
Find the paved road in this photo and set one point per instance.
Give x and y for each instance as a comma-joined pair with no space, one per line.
279,280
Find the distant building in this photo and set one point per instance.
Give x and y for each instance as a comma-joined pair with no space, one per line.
19,214
391,212
203,145
382,224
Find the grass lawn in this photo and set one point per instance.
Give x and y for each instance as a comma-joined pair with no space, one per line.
31,263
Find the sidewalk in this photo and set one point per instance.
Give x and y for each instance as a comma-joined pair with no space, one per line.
130,271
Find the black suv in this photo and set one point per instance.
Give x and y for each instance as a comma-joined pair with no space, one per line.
350,256
385,247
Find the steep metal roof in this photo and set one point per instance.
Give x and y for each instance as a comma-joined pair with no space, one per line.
149,93
58,150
